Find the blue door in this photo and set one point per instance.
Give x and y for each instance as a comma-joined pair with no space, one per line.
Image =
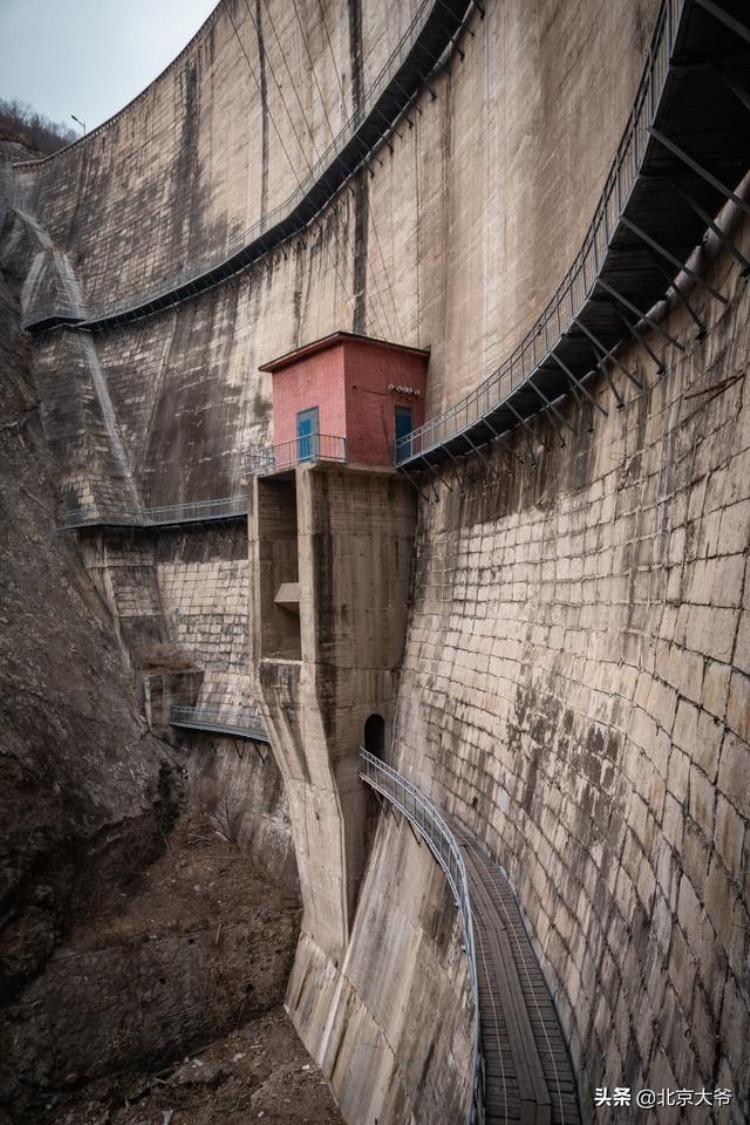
404,424
307,434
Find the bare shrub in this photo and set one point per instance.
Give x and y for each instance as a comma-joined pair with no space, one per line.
19,121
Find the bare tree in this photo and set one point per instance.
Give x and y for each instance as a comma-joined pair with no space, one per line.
19,121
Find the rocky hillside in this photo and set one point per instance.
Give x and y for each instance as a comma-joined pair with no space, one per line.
86,793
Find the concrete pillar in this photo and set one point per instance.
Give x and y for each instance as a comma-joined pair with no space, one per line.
330,556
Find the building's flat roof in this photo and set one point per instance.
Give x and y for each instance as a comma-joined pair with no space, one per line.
333,340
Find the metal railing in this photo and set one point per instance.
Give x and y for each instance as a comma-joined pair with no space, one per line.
221,720
191,511
196,269
262,459
428,821
577,285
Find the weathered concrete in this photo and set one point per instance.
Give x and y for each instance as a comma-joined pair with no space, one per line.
452,257
345,536
184,590
576,688
217,142
392,1027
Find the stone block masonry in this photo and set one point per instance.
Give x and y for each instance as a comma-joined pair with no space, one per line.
184,588
203,582
576,687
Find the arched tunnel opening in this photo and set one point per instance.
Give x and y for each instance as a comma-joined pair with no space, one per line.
374,735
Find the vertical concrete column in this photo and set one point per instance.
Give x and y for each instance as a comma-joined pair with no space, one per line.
336,562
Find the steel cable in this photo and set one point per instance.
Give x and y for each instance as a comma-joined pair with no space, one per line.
304,155
281,142
343,102
310,130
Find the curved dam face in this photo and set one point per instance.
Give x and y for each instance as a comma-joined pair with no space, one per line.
565,666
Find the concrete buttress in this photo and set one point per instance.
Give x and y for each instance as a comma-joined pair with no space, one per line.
324,666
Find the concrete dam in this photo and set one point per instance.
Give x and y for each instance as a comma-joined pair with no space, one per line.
378,465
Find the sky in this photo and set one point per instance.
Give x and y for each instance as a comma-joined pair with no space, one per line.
90,57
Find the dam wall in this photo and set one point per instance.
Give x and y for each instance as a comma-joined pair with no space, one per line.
216,143
392,1024
574,684
183,588
443,246
455,241
575,688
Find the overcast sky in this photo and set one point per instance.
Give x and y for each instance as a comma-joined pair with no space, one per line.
90,57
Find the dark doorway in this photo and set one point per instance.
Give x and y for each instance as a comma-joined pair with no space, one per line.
404,425
375,736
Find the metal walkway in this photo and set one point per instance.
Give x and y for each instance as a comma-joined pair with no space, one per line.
220,720
421,53
522,1071
263,459
686,148
528,1075
171,515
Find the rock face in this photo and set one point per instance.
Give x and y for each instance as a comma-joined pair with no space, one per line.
198,946
86,793
259,1071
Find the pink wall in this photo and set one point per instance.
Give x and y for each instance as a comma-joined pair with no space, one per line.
348,381
370,416
316,380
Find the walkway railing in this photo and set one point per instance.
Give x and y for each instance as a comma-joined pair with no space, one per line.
191,511
237,722
576,288
442,843
262,459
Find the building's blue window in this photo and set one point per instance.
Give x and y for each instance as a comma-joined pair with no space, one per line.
307,434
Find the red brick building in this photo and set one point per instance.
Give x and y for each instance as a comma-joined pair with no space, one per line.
346,386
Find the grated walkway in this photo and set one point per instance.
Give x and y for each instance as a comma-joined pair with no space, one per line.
528,1074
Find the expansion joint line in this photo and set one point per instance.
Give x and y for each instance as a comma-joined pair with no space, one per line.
311,134
360,146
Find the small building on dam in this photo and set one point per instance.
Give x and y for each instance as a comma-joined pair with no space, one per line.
441,615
